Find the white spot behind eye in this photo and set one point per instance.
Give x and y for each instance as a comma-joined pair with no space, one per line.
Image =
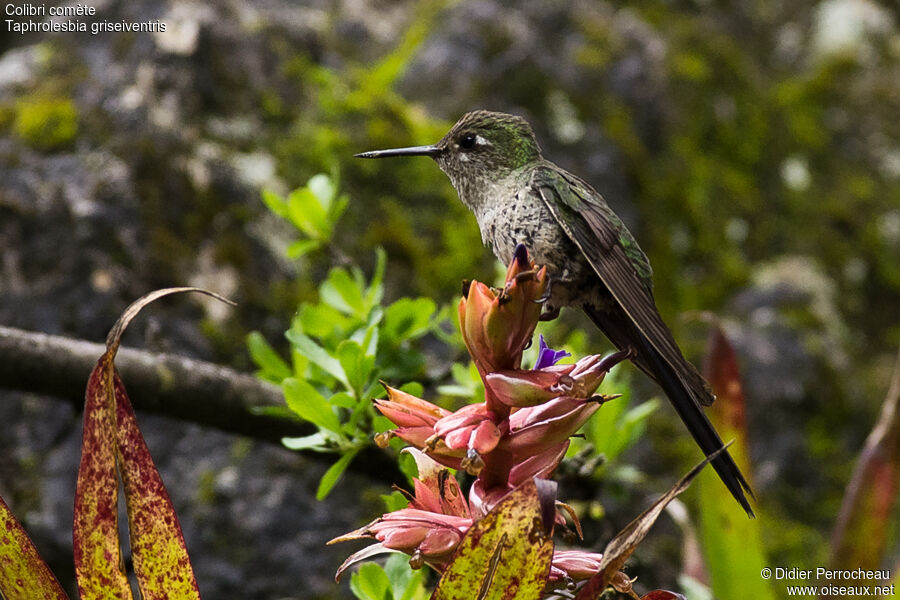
480,141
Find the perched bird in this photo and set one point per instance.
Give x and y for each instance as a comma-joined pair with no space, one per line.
517,196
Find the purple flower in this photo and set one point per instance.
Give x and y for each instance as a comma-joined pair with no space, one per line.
547,356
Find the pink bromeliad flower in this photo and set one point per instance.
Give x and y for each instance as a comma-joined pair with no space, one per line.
522,428
434,523
520,431
429,529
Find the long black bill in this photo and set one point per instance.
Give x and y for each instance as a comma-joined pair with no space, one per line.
411,151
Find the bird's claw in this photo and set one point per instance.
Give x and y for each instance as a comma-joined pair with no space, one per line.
549,313
546,293
525,275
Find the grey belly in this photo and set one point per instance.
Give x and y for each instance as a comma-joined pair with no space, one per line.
572,280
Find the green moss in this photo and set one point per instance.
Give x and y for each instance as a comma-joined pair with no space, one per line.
46,123
7,116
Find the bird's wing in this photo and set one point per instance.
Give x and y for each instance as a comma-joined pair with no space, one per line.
618,261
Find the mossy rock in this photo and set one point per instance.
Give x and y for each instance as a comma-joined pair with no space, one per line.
46,123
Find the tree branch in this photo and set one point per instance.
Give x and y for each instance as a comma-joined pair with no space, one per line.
164,384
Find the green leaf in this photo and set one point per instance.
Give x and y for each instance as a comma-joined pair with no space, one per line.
367,337
408,318
342,292
307,214
359,419
275,203
356,364
343,400
306,401
273,366
375,291
323,188
317,355
413,387
468,383
301,247
370,582
299,362
407,583
338,208
640,413
394,501
334,472
617,427
380,424
407,465
323,321
374,388
694,589
316,442
313,209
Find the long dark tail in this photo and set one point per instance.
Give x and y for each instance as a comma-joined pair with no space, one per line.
623,333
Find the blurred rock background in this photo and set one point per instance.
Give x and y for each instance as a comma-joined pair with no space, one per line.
752,148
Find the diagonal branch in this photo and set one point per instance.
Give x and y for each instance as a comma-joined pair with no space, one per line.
164,384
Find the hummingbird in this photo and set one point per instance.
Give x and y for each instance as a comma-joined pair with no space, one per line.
518,197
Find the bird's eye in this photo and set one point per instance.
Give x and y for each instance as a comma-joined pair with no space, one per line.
467,142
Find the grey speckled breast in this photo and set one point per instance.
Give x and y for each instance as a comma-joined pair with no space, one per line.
522,217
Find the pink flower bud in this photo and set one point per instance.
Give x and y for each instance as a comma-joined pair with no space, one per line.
440,542
402,538
484,437
467,416
574,564
522,387
525,387
497,326
540,465
536,429
405,410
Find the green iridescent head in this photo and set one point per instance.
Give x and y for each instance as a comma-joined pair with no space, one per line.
499,141
481,144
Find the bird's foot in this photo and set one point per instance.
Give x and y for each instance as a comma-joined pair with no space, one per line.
525,275
503,294
546,294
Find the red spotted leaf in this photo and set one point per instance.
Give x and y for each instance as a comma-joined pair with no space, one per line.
507,553
732,543
860,535
23,573
98,557
721,369
112,446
